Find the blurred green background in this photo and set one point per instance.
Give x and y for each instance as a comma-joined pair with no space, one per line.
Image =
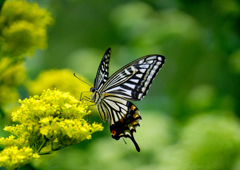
190,117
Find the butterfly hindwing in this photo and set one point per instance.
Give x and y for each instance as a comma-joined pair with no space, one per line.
133,80
102,73
127,125
123,116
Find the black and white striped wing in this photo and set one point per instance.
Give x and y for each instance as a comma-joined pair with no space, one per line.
102,73
123,116
133,80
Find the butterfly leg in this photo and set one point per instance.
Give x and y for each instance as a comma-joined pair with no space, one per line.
82,98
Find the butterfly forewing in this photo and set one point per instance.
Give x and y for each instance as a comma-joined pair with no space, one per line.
102,73
133,80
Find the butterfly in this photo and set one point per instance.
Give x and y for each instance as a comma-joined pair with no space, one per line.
111,95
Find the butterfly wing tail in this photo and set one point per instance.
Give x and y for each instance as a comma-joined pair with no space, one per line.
127,125
135,144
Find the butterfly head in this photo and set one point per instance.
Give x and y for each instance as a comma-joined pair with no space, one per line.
92,89
95,94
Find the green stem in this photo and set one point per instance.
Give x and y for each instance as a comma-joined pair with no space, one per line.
42,145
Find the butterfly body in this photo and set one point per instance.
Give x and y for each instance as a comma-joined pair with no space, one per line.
111,95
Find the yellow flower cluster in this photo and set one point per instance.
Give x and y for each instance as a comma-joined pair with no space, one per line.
60,79
23,27
13,76
52,121
13,140
13,157
22,30
9,79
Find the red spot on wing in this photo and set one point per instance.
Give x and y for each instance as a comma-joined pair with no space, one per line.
113,132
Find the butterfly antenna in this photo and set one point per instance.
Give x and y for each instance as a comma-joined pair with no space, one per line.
81,79
124,141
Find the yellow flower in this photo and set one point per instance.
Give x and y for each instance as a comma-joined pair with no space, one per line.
10,77
22,37
35,156
13,157
60,79
45,120
8,94
53,115
53,118
13,75
45,130
23,27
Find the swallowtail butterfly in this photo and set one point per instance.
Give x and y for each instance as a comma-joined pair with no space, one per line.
111,95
